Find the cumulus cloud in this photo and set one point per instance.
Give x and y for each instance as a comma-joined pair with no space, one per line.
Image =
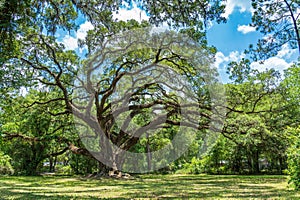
221,60
71,43
286,52
246,29
280,62
236,56
283,60
126,14
84,28
232,4
276,63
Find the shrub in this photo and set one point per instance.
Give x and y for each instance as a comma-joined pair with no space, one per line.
5,166
64,170
194,167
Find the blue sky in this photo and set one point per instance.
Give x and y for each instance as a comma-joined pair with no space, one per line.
231,38
226,36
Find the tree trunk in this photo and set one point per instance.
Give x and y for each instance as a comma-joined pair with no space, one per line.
280,165
54,163
31,168
103,170
149,154
236,165
255,162
51,164
115,167
249,162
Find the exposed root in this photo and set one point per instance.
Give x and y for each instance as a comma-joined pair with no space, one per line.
111,174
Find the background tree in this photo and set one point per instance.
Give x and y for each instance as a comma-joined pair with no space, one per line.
291,92
293,157
32,133
279,21
255,121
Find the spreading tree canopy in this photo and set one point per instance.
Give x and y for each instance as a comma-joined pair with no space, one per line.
110,91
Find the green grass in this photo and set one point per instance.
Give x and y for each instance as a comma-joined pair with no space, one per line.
147,186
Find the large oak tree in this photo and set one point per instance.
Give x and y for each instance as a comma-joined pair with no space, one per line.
35,54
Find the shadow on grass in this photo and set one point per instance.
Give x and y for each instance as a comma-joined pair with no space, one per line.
147,186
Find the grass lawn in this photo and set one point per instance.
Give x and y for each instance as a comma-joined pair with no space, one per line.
147,186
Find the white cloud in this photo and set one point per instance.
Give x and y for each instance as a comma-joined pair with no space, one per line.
71,43
134,13
274,62
124,14
286,52
246,29
221,61
84,28
220,58
280,62
243,5
236,56
283,60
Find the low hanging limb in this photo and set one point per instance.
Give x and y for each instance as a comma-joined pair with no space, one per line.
70,146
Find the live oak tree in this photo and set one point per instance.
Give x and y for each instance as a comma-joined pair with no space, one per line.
254,141
111,89
35,54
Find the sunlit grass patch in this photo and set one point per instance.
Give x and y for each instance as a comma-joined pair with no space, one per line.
147,186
